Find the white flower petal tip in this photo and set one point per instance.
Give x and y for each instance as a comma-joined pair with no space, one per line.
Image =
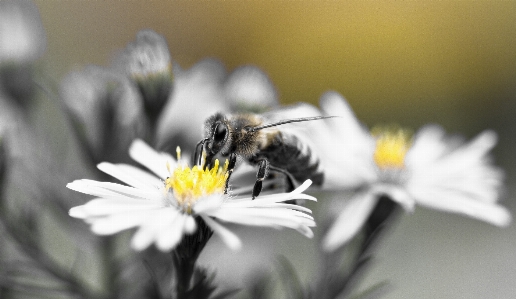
79,185
486,140
504,219
408,206
73,185
139,245
333,101
104,166
331,244
302,188
138,147
306,231
495,215
78,212
190,225
155,161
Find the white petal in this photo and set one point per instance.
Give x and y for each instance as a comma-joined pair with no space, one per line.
228,237
284,206
428,146
107,189
208,203
78,212
469,154
146,178
161,220
148,157
120,173
302,187
102,207
190,225
396,194
333,103
168,238
465,204
265,217
118,222
350,220
274,198
306,231
347,147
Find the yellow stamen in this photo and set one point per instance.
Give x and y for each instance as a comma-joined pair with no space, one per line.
190,184
391,147
178,153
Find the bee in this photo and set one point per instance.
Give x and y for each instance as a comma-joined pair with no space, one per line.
262,145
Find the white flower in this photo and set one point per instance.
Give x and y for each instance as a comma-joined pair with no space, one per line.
430,169
163,206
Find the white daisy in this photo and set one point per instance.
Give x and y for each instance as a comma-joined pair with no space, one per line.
163,206
430,169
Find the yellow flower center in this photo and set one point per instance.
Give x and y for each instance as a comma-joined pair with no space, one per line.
391,147
190,184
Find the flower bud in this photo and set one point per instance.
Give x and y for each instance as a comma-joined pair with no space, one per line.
249,89
147,62
22,40
22,37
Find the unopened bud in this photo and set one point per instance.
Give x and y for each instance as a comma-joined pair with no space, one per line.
249,89
22,40
147,61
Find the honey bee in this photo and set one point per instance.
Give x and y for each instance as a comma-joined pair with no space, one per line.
262,145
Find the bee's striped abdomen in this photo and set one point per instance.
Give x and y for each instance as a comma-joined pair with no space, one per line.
288,152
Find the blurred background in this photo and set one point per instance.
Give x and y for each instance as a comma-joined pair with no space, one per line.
410,63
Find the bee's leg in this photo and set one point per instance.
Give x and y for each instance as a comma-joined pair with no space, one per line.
289,179
231,167
263,171
198,152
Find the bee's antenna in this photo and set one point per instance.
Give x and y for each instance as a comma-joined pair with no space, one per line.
287,121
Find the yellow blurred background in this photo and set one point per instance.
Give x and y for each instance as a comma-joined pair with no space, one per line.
409,62
416,60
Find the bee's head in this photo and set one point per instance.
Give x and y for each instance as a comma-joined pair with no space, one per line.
216,136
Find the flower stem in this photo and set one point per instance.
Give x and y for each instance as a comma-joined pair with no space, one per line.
185,257
110,266
381,215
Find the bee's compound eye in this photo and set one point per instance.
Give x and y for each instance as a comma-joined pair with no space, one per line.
220,132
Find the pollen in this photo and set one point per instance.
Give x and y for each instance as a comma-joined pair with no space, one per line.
392,145
189,184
